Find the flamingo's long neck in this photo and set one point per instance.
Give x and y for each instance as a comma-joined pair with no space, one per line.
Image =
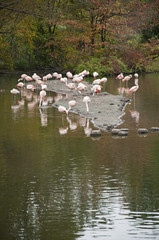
136,81
87,107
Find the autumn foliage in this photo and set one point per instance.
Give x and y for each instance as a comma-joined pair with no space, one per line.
108,36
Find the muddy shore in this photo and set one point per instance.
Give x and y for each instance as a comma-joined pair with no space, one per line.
105,110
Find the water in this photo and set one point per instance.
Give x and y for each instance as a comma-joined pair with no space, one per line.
58,183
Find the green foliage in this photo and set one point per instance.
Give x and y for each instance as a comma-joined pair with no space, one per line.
153,66
95,65
5,55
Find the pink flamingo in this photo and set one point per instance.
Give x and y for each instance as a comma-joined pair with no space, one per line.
69,75
42,97
20,85
120,76
62,109
95,74
126,79
81,87
134,88
30,87
87,100
71,104
96,89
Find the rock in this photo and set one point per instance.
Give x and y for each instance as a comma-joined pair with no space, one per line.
154,129
124,129
142,131
115,131
122,133
95,133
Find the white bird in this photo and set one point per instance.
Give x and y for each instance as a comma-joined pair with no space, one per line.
44,86
59,76
22,77
136,75
103,80
71,85
96,81
127,78
71,104
69,75
42,97
62,109
77,79
96,89
64,80
134,88
55,74
20,85
14,91
49,76
35,77
120,76
81,87
87,100
95,74
28,78
30,87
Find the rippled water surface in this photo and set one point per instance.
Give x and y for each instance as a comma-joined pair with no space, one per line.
58,183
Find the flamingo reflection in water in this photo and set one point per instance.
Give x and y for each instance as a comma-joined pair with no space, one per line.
14,91
72,125
43,117
63,130
123,90
135,115
87,129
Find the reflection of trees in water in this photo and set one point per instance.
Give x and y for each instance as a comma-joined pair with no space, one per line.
75,184
61,186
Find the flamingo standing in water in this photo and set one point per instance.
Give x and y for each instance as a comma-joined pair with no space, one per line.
134,88
126,79
42,97
20,85
14,91
62,109
120,76
136,75
87,100
30,87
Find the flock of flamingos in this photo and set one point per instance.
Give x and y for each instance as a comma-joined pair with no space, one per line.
73,82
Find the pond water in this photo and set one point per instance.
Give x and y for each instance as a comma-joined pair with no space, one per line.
58,183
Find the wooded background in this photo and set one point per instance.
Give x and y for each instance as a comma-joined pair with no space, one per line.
108,36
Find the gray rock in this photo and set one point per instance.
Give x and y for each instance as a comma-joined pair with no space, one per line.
95,133
123,133
115,131
124,129
154,129
142,131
